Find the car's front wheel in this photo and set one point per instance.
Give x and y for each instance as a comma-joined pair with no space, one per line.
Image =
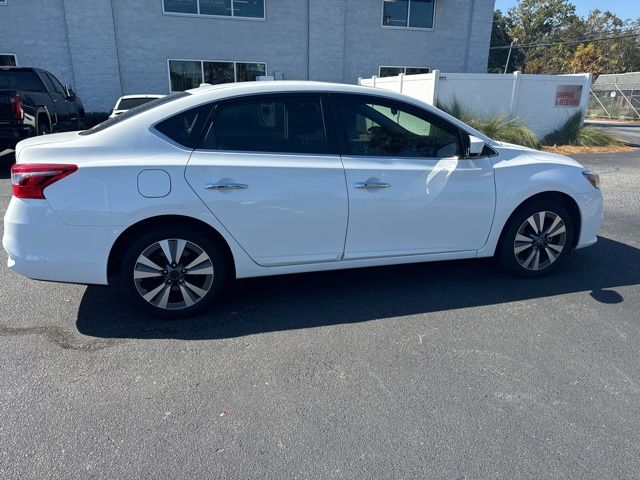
536,240
173,272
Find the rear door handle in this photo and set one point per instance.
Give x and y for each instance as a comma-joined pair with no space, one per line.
226,186
371,185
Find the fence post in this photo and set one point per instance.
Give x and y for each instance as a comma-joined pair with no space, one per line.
401,75
359,80
436,86
514,93
374,80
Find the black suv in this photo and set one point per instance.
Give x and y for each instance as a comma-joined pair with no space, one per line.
34,102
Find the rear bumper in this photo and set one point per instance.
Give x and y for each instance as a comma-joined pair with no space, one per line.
42,247
14,133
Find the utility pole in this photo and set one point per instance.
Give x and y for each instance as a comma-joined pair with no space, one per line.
506,65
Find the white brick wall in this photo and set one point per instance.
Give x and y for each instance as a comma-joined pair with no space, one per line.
330,40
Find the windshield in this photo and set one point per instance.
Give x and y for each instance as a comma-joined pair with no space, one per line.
134,111
129,103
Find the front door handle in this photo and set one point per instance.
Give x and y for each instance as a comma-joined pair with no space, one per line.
371,185
226,186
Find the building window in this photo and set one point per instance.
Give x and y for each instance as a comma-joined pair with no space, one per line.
395,71
187,74
217,8
8,59
408,13
3,2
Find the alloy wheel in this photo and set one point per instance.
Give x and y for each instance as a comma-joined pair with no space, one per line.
540,240
173,274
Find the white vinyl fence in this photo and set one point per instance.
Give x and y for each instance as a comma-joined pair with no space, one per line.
543,102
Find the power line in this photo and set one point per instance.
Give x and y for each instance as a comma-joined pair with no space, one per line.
565,42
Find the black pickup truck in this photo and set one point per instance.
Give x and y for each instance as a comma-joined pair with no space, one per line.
34,102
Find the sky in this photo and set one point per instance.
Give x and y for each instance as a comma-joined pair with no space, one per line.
623,8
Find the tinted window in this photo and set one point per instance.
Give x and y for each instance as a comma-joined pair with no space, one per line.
416,70
391,71
7,60
133,112
185,74
379,127
186,127
215,7
218,72
247,72
269,124
395,13
181,6
421,15
21,80
56,84
129,103
248,8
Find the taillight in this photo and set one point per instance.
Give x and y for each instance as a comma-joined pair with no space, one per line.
28,180
16,107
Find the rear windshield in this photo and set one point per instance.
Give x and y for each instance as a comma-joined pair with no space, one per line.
135,111
129,103
20,80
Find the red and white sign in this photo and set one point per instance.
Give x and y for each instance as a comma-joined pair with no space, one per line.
568,96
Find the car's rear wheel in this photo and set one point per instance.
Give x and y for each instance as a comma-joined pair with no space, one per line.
537,239
173,272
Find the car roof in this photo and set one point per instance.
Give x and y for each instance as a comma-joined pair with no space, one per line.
248,88
142,95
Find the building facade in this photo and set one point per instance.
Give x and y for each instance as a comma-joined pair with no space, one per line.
109,48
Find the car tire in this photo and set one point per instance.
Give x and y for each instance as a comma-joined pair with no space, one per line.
43,129
536,240
173,272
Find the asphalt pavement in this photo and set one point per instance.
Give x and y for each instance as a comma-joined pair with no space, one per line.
446,370
625,132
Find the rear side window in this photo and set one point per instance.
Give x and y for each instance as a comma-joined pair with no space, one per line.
134,111
278,124
21,80
186,127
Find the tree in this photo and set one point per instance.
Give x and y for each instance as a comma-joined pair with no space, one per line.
499,37
555,26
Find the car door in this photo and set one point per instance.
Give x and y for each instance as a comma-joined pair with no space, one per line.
411,189
65,117
269,170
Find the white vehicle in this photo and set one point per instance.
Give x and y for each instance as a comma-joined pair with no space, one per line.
126,103
171,201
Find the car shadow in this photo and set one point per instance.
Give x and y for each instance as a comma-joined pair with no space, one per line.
350,296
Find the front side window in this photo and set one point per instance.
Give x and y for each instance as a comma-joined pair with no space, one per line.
386,128
408,13
220,8
8,59
275,124
187,74
395,71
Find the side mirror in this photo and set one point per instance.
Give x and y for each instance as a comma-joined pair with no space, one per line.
68,91
476,146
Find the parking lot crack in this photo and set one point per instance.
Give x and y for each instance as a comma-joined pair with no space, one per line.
60,337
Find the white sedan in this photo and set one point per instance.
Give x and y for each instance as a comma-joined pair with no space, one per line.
171,200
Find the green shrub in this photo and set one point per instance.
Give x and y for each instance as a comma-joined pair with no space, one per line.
500,126
91,119
574,132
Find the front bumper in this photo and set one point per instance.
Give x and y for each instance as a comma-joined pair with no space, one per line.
42,247
592,215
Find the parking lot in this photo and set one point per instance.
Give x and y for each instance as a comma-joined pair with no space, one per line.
445,370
